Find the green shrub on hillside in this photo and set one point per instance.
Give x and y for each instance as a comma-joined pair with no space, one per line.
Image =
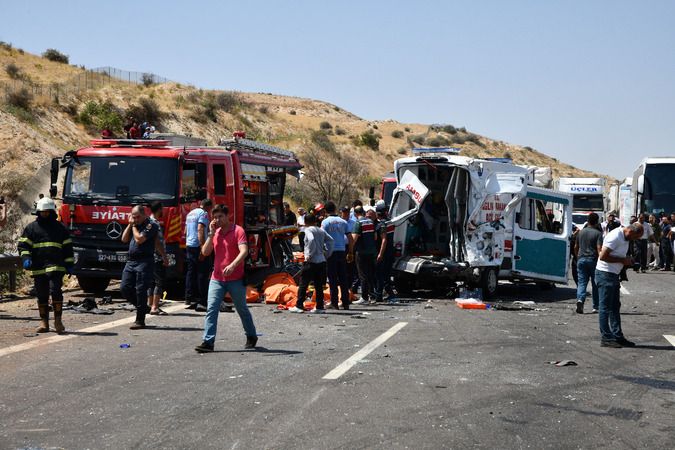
398,134
101,116
13,71
54,55
449,129
369,139
325,125
340,131
229,101
147,79
21,98
438,141
417,139
147,110
321,140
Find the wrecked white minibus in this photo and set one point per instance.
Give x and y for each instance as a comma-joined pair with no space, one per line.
460,219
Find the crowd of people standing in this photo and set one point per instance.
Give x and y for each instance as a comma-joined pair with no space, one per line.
351,247
602,252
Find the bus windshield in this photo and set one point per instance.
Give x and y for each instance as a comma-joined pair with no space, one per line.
121,180
659,191
588,203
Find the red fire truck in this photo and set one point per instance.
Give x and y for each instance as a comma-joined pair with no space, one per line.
102,183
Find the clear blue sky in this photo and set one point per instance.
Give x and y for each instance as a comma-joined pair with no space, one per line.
589,82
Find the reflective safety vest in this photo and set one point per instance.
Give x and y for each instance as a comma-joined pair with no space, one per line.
47,243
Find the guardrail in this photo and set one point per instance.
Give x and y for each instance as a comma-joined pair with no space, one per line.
10,263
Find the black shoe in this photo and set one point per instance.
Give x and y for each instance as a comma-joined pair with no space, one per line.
612,344
225,308
200,308
251,341
191,305
137,325
204,347
625,342
580,307
345,307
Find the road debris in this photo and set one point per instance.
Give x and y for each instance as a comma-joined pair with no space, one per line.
563,363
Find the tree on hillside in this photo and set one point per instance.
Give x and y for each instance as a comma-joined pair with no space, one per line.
331,175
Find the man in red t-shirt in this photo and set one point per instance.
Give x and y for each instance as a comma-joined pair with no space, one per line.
228,242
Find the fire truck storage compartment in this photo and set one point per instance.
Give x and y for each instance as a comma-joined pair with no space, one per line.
263,195
438,228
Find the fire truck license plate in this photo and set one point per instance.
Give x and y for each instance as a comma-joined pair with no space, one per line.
112,258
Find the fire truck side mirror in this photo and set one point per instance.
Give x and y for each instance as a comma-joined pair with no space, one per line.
54,177
371,195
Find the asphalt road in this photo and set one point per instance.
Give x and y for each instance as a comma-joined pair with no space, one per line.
446,378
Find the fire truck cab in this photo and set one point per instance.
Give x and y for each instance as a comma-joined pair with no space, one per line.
101,183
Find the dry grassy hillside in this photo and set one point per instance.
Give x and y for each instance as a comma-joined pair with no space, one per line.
45,110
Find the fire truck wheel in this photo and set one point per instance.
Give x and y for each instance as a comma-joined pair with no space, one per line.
93,285
489,281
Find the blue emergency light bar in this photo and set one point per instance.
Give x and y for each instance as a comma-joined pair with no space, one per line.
422,150
500,160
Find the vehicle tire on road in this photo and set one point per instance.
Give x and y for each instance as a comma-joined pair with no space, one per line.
489,282
404,285
545,285
93,285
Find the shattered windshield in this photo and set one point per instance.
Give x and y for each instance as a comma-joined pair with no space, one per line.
123,179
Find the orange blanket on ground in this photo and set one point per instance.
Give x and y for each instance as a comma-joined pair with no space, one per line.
280,288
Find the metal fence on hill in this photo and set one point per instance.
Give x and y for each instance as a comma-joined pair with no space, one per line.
87,80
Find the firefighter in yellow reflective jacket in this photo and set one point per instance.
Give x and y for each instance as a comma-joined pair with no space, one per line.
47,253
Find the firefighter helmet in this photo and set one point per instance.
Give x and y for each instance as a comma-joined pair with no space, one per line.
46,204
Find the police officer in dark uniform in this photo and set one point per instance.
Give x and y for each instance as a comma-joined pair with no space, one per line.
47,252
385,233
141,234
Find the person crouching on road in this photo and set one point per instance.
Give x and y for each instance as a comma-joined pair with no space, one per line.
47,252
230,245
318,247
161,262
611,260
141,234
587,246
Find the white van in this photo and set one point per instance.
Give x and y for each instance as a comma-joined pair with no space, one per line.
460,219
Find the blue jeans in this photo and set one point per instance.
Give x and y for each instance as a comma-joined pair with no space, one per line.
217,291
609,313
586,271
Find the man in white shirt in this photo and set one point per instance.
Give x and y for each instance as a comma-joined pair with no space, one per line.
611,260
642,243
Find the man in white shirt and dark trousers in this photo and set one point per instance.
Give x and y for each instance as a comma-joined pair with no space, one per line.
318,247
643,242
611,260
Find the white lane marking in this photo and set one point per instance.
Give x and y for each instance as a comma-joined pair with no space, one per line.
670,338
624,291
64,337
365,351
